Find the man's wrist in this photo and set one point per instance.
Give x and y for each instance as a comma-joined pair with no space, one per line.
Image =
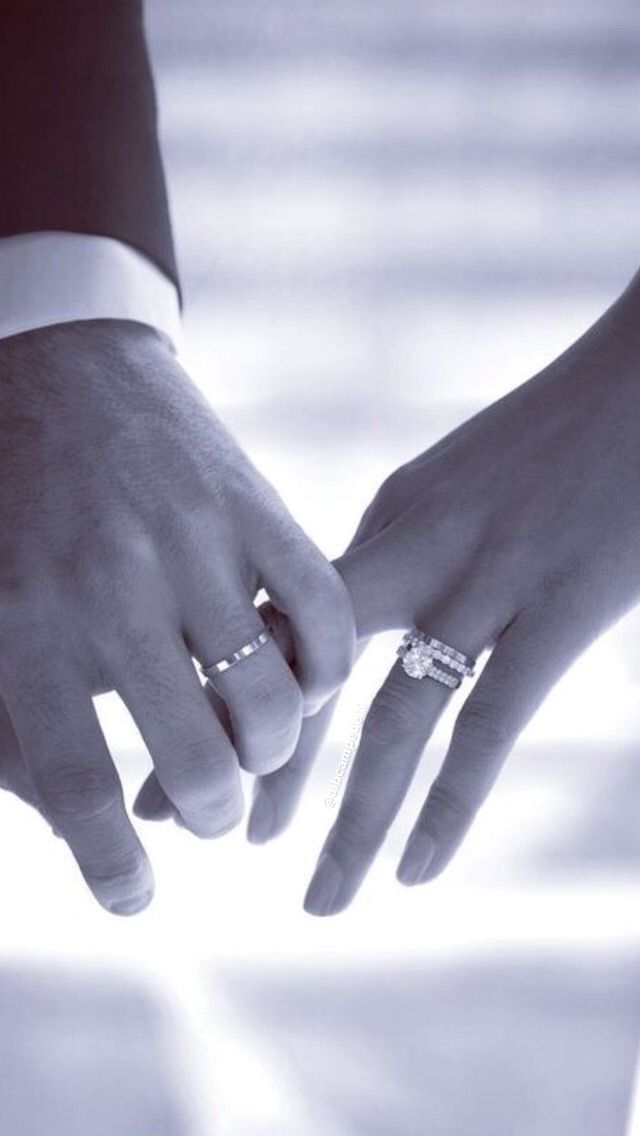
49,278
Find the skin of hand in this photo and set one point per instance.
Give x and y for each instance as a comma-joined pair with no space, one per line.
518,532
134,537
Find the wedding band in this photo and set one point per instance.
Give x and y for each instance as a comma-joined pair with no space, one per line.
242,653
421,656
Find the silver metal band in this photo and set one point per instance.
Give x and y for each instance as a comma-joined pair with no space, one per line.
242,653
423,656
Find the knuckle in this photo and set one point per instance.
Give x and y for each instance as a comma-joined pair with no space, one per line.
99,559
119,872
234,622
320,585
393,712
353,830
267,722
216,819
71,791
483,726
273,735
197,780
189,772
313,583
444,798
277,698
265,750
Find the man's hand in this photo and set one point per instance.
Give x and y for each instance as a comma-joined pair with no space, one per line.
135,534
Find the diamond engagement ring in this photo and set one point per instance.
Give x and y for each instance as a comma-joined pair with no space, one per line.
214,669
422,656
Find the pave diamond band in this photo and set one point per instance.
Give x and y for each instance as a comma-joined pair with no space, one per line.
423,656
214,669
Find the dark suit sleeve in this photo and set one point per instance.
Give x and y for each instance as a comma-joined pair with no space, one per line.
78,132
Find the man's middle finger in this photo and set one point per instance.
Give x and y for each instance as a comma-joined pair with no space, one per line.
194,760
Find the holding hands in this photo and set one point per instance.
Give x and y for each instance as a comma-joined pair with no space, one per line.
135,535
519,533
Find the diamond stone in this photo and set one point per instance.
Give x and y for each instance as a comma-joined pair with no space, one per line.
413,663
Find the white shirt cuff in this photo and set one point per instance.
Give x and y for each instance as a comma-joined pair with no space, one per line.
51,277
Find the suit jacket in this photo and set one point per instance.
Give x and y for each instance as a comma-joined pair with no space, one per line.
79,145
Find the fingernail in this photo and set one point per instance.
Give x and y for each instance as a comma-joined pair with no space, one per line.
209,828
312,706
324,887
131,906
262,819
416,858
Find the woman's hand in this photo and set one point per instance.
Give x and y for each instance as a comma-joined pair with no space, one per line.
519,532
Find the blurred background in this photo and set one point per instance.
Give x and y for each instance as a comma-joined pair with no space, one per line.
386,215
